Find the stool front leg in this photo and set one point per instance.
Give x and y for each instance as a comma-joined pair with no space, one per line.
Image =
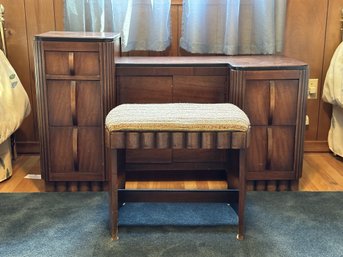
242,193
113,192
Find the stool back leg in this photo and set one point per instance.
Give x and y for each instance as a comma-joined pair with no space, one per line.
113,191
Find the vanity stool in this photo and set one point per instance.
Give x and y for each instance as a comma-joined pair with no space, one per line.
175,126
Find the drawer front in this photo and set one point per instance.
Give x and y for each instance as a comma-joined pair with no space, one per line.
271,148
200,89
74,103
76,150
145,89
72,63
271,102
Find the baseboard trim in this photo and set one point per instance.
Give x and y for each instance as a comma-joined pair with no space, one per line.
30,147
316,147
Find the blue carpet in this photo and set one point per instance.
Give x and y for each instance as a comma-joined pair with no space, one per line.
286,224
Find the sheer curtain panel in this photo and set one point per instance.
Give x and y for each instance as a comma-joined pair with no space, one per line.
143,24
233,26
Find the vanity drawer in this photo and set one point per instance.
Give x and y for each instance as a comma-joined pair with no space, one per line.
72,63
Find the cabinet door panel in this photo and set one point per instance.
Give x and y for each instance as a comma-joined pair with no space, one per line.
78,100
90,149
286,99
87,63
256,101
59,105
199,89
88,104
76,150
271,102
257,151
282,152
72,63
271,148
61,149
144,89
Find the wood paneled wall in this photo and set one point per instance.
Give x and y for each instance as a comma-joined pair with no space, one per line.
312,35
24,19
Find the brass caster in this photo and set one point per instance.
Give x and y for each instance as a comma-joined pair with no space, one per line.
240,237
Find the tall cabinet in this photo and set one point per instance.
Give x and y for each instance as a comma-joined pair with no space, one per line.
273,94
73,73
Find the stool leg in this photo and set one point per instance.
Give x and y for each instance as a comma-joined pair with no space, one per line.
113,192
242,193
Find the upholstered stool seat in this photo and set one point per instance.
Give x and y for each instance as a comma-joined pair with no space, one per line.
174,126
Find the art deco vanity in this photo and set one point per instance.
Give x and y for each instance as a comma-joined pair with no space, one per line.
80,77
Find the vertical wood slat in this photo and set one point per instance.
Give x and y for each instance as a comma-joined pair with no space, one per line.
84,186
271,185
250,185
61,187
132,140
208,140
119,138
193,140
178,140
96,186
72,186
147,140
283,185
260,185
223,140
163,140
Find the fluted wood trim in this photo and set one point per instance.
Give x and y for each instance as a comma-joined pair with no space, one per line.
177,140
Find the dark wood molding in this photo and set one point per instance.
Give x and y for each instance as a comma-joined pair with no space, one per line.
316,147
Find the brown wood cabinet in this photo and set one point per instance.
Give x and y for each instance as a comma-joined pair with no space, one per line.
75,90
274,99
271,90
73,73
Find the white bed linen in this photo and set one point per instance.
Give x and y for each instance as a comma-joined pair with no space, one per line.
14,102
333,94
5,160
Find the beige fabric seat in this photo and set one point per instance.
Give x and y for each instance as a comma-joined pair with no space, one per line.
176,126
177,117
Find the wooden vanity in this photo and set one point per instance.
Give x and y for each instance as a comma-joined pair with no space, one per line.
80,77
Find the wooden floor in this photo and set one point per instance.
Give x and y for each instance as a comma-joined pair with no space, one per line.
321,172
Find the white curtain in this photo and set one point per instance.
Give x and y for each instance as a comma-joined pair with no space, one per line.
143,24
233,26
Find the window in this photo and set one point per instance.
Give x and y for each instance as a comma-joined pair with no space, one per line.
143,24
233,26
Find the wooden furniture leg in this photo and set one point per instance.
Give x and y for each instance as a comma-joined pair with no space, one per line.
113,192
242,193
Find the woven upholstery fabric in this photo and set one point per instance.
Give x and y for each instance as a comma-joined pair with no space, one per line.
177,117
